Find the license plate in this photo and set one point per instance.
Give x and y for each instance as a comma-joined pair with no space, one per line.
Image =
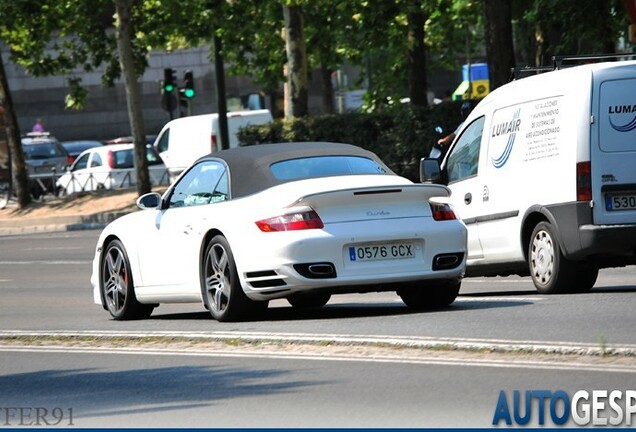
387,251
616,202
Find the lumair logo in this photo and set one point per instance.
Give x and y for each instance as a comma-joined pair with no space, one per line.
509,128
614,110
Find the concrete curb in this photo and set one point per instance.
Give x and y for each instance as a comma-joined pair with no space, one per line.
58,223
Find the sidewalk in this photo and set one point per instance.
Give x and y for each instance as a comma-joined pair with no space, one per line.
93,210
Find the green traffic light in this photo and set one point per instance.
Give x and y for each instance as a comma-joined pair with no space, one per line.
168,88
189,93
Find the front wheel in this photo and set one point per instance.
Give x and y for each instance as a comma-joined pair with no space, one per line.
551,272
429,298
118,291
221,289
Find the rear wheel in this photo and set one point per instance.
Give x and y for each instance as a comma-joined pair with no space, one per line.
223,295
551,272
429,298
118,291
313,300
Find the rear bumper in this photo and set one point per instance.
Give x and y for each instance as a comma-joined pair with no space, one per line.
581,239
276,264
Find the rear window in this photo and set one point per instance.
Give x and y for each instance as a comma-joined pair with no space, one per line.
43,150
324,166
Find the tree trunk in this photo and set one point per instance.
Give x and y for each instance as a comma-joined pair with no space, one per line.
133,94
20,177
416,58
296,90
498,35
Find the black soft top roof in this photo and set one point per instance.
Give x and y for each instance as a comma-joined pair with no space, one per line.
249,166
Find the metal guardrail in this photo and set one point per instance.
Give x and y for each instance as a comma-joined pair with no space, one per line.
43,184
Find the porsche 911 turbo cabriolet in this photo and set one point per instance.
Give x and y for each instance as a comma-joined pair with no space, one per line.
299,221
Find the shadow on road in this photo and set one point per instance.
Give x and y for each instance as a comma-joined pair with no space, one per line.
351,311
98,393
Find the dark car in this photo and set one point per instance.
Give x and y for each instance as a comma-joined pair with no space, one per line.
74,148
46,159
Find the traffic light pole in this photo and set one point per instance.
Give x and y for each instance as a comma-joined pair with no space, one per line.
220,91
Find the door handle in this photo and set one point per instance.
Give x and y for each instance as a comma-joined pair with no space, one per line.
468,198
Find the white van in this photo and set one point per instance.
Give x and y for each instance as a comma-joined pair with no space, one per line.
543,174
182,141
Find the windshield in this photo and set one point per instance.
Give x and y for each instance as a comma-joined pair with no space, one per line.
42,151
323,166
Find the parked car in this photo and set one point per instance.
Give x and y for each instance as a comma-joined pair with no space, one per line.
300,221
45,158
74,148
109,167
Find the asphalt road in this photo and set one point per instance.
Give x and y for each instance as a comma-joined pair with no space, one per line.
44,283
180,390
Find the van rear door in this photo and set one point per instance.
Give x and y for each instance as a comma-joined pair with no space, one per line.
613,145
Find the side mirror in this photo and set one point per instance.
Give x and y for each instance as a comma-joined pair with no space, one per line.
430,171
149,201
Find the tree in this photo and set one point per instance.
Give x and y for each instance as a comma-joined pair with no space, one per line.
498,35
125,31
570,27
20,178
296,87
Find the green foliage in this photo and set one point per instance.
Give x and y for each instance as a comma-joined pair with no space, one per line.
400,137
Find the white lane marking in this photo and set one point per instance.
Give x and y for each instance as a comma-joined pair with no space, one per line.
505,364
60,248
496,298
47,262
469,280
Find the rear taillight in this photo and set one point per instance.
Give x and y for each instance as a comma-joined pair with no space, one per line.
70,160
213,147
111,159
584,181
299,220
442,212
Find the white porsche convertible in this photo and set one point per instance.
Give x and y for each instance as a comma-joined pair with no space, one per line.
300,221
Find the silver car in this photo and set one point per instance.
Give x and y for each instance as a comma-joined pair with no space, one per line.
46,160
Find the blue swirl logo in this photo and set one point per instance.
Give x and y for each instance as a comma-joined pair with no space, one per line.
511,128
630,126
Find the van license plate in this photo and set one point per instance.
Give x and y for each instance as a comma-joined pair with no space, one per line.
388,251
620,202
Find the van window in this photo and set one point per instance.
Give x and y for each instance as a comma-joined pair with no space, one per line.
463,160
162,146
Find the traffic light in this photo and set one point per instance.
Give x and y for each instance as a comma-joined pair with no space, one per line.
169,80
188,80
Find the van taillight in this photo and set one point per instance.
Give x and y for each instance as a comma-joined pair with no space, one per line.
584,181
111,159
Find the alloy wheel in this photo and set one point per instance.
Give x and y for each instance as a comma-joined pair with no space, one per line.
217,278
115,280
